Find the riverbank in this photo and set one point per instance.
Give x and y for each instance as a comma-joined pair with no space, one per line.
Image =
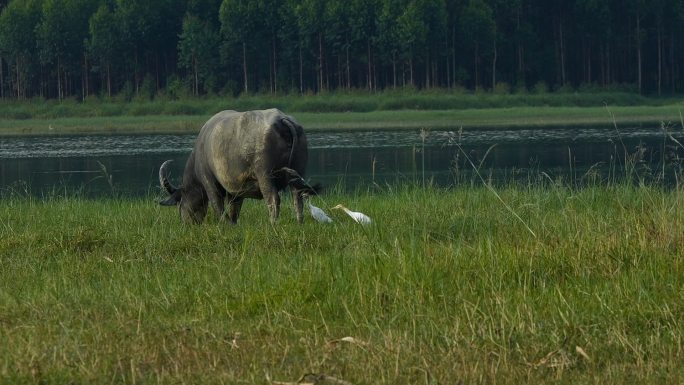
574,286
523,117
345,112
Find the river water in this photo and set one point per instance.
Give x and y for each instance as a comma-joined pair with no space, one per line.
98,165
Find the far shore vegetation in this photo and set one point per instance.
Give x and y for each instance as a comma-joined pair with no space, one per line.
408,108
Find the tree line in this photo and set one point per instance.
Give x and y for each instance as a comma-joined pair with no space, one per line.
78,48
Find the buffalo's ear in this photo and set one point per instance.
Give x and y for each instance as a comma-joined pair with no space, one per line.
173,200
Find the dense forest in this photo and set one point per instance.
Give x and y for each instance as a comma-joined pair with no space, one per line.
173,48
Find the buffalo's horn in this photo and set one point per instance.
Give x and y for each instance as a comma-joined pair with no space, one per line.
164,178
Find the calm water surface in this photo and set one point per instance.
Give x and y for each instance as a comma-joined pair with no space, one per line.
128,164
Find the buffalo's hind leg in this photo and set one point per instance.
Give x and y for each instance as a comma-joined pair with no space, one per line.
271,197
235,205
298,200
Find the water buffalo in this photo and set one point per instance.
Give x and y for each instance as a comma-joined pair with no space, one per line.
238,155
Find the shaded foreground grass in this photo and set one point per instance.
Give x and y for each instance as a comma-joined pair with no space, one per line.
446,287
522,117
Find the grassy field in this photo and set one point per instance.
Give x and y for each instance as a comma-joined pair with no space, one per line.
432,110
446,287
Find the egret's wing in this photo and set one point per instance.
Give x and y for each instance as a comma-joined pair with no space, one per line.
319,214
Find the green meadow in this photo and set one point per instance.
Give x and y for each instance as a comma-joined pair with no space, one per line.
520,283
530,283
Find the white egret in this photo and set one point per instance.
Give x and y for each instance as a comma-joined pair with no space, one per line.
318,214
357,216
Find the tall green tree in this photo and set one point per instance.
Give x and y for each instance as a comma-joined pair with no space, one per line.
555,22
161,48
287,32
311,21
207,10
412,34
338,36
135,19
433,16
272,23
104,43
392,37
665,15
478,31
239,26
18,43
454,8
594,26
60,40
364,32
675,26
522,35
638,9
197,52
505,13
3,4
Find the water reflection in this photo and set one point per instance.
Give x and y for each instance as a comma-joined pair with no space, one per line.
100,145
128,164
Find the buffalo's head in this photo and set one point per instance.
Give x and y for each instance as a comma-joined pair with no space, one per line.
192,200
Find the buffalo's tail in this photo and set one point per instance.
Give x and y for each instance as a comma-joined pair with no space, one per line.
293,133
